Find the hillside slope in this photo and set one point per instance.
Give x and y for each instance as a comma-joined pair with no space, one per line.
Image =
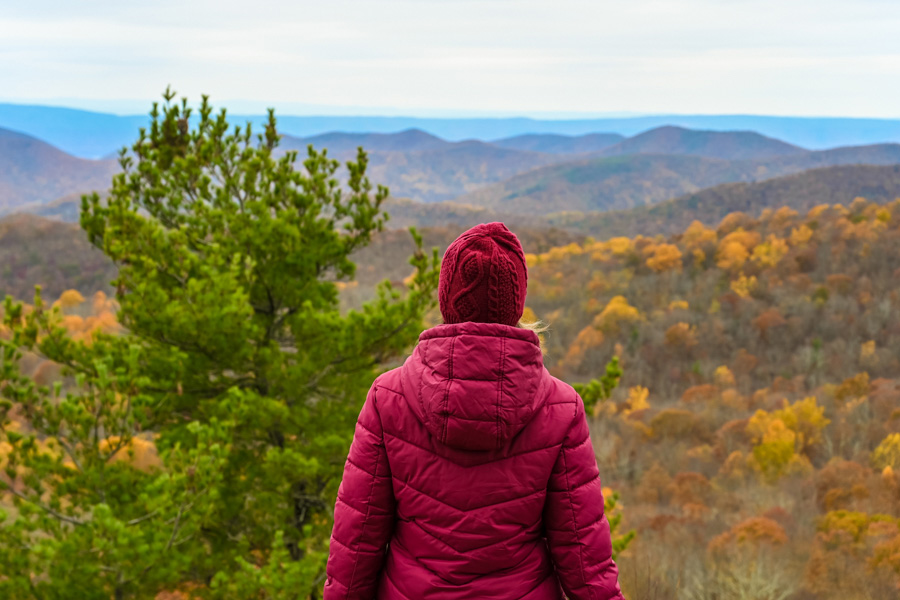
800,191
560,144
55,255
727,145
735,340
417,165
622,182
876,154
32,171
447,172
604,183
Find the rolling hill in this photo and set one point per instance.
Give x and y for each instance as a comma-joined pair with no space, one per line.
32,171
560,144
509,182
799,191
622,182
602,183
728,145
417,165
36,250
409,213
341,144
449,171
876,154
56,255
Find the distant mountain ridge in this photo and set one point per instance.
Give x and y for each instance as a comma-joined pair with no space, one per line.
415,164
81,133
504,177
34,171
95,134
341,143
729,145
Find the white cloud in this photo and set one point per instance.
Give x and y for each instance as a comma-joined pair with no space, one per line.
513,56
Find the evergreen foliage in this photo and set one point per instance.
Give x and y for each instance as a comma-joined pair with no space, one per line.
599,390
237,365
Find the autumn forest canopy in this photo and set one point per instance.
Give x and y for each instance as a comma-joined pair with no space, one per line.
179,395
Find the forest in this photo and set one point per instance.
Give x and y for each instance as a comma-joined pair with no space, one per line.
756,425
182,432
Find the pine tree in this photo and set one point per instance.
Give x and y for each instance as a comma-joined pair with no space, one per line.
238,363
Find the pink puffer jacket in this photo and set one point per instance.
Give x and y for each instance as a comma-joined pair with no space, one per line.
471,476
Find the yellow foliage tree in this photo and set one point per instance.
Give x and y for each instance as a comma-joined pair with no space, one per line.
620,246
723,377
807,419
852,388
562,252
887,454
770,252
664,257
800,236
616,313
70,299
743,286
731,256
698,234
783,437
775,445
679,305
748,239
637,400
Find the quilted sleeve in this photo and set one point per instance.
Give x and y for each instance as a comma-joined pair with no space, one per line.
577,529
363,513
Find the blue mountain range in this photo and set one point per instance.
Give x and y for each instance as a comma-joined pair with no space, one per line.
94,134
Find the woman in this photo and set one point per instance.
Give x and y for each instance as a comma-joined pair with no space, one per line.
471,474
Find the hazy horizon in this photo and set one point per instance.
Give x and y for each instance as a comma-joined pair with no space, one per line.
133,108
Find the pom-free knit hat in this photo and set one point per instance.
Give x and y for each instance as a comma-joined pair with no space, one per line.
483,277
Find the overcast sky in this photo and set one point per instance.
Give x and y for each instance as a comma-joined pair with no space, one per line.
459,57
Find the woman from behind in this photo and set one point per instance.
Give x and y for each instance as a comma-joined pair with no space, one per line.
471,474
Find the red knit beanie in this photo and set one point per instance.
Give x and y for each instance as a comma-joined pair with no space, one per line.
483,277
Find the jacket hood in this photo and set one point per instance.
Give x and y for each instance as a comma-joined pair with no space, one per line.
475,385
